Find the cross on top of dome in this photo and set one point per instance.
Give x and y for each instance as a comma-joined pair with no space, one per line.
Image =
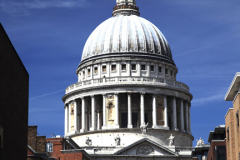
126,7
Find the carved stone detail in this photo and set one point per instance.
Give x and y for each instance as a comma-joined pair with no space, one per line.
145,149
88,141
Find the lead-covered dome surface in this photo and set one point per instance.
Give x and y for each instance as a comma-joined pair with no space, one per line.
124,34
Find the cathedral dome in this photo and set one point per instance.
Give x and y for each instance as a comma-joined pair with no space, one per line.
125,34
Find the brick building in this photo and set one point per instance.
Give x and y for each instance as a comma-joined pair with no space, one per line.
14,85
55,148
217,140
232,120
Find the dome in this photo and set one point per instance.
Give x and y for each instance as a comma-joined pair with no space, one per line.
126,34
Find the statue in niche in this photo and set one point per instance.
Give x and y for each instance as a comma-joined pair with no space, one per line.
88,141
144,128
200,142
171,140
117,140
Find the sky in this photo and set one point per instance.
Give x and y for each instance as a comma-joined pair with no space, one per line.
49,36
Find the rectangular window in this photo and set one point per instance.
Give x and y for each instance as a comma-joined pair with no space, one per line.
124,67
171,73
143,67
152,68
159,69
237,116
166,71
49,147
114,67
95,69
83,74
89,72
134,67
228,133
104,68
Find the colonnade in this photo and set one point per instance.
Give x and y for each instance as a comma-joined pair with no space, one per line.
91,120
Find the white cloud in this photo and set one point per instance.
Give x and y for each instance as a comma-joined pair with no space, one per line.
204,100
23,6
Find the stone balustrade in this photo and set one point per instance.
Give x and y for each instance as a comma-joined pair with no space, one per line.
127,80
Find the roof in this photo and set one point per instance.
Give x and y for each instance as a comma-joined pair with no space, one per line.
219,129
233,89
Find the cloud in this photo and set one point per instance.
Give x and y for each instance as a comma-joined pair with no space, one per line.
47,94
204,100
23,6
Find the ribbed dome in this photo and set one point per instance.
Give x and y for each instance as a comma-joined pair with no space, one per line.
124,34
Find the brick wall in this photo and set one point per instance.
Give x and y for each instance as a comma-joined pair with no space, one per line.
32,137
41,144
232,144
211,151
14,101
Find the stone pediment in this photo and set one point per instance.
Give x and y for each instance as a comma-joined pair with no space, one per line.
146,147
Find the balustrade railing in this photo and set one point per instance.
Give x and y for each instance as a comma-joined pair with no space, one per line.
130,80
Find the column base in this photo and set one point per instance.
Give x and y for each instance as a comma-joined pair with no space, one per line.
116,126
82,130
183,131
176,129
130,126
92,129
160,127
104,127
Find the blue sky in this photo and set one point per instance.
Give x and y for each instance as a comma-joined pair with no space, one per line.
49,36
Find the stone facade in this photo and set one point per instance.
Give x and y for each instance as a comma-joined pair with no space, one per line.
127,101
14,102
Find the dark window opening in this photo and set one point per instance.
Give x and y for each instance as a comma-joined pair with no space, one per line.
134,120
104,68
95,70
237,119
171,73
124,67
134,67
152,68
228,133
89,72
114,67
124,120
166,71
160,69
143,68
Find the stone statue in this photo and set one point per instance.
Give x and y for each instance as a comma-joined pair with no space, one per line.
88,141
144,128
171,140
117,140
200,142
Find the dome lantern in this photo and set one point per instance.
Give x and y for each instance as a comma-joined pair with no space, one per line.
126,7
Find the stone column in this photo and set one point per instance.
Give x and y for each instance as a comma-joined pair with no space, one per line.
142,108
83,129
154,112
174,105
66,119
98,120
116,111
189,125
69,117
129,111
104,111
93,113
75,116
182,117
165,112
186,117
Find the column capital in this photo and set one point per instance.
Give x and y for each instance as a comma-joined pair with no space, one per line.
116,93
92,96
82,98
142,93
104,94
129,93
